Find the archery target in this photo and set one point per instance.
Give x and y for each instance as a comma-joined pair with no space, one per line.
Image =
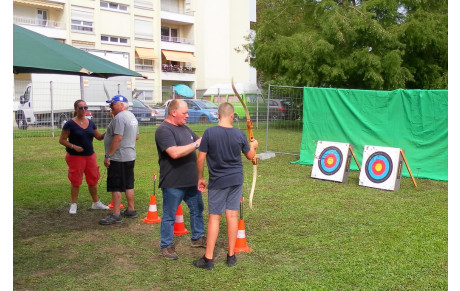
332,161
381,168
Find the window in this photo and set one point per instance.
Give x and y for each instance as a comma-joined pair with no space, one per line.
145,95
42,16
143,28
114,6
169,34
143,4
233,99
82,19
113,39
144,65
254,98
219,99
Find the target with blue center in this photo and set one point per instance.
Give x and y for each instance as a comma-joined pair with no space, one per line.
330,160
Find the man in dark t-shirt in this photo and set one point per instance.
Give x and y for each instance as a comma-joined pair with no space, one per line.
221,147
176,145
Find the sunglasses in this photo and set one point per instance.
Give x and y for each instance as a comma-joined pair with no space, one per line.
83,107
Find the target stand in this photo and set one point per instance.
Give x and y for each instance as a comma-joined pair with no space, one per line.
332,161
381,167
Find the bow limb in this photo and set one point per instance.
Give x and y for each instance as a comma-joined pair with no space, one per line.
253,187
251,138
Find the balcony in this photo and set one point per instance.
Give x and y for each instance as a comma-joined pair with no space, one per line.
177,73
172,14
177,44
176,39
50,28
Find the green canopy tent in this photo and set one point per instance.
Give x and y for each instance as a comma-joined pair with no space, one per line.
36,53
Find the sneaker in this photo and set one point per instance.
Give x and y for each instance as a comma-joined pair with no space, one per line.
204,263
99,205
129,213
169,253
199,243
73,208
231,260
111,219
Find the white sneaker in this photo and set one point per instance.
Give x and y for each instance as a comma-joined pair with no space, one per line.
73,208
99,205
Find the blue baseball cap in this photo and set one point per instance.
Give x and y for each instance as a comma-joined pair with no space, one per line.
117,98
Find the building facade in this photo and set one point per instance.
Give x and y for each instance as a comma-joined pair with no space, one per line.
193,42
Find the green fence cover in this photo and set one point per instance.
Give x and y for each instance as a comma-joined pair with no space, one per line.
413,120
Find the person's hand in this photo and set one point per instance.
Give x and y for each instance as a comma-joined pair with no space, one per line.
202,185
78,149
254,144
107,162
198,141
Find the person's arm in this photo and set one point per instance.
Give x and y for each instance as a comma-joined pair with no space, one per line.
113,148
98,135
252,151
200,169
176,152
63,139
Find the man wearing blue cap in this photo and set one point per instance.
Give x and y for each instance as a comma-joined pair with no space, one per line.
120,155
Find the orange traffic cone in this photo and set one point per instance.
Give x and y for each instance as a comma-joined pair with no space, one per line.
111,205
240,245
152,215
179,227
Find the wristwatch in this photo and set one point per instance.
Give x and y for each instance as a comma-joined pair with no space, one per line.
196,145
108,156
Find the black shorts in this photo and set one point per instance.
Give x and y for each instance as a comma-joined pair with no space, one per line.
120,176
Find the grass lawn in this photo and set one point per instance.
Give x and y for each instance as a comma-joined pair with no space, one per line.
306,234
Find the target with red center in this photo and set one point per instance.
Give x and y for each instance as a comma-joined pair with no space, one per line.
379,167
330,160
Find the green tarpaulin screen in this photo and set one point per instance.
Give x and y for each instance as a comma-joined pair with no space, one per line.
413,120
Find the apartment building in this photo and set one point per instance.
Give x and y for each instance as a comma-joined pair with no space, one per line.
170,42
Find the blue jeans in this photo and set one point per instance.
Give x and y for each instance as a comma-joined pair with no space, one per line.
172,197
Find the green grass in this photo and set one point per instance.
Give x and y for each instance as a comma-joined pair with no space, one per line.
306,234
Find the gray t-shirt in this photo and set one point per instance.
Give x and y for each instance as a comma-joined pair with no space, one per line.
124,124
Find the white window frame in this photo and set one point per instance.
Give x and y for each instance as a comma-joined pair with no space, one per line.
114,40
143,28
143,4
113,6
140,65
82,19
42,16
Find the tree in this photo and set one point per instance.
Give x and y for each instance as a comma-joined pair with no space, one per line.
373,44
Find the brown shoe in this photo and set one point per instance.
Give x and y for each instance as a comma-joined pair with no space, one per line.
199,243
169,253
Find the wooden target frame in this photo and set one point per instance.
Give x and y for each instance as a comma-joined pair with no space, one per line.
332,161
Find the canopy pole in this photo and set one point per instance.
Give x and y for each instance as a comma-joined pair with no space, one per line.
82,88
52,111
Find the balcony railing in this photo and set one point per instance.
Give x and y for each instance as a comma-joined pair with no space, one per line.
175,9
39,22
176,39
177,69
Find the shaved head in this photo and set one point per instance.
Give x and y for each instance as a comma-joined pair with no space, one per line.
225,110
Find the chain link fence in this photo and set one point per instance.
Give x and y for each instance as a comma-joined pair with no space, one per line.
42,110
283,122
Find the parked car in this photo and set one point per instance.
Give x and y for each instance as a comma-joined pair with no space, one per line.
202,111
144,114
278,109
160,112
